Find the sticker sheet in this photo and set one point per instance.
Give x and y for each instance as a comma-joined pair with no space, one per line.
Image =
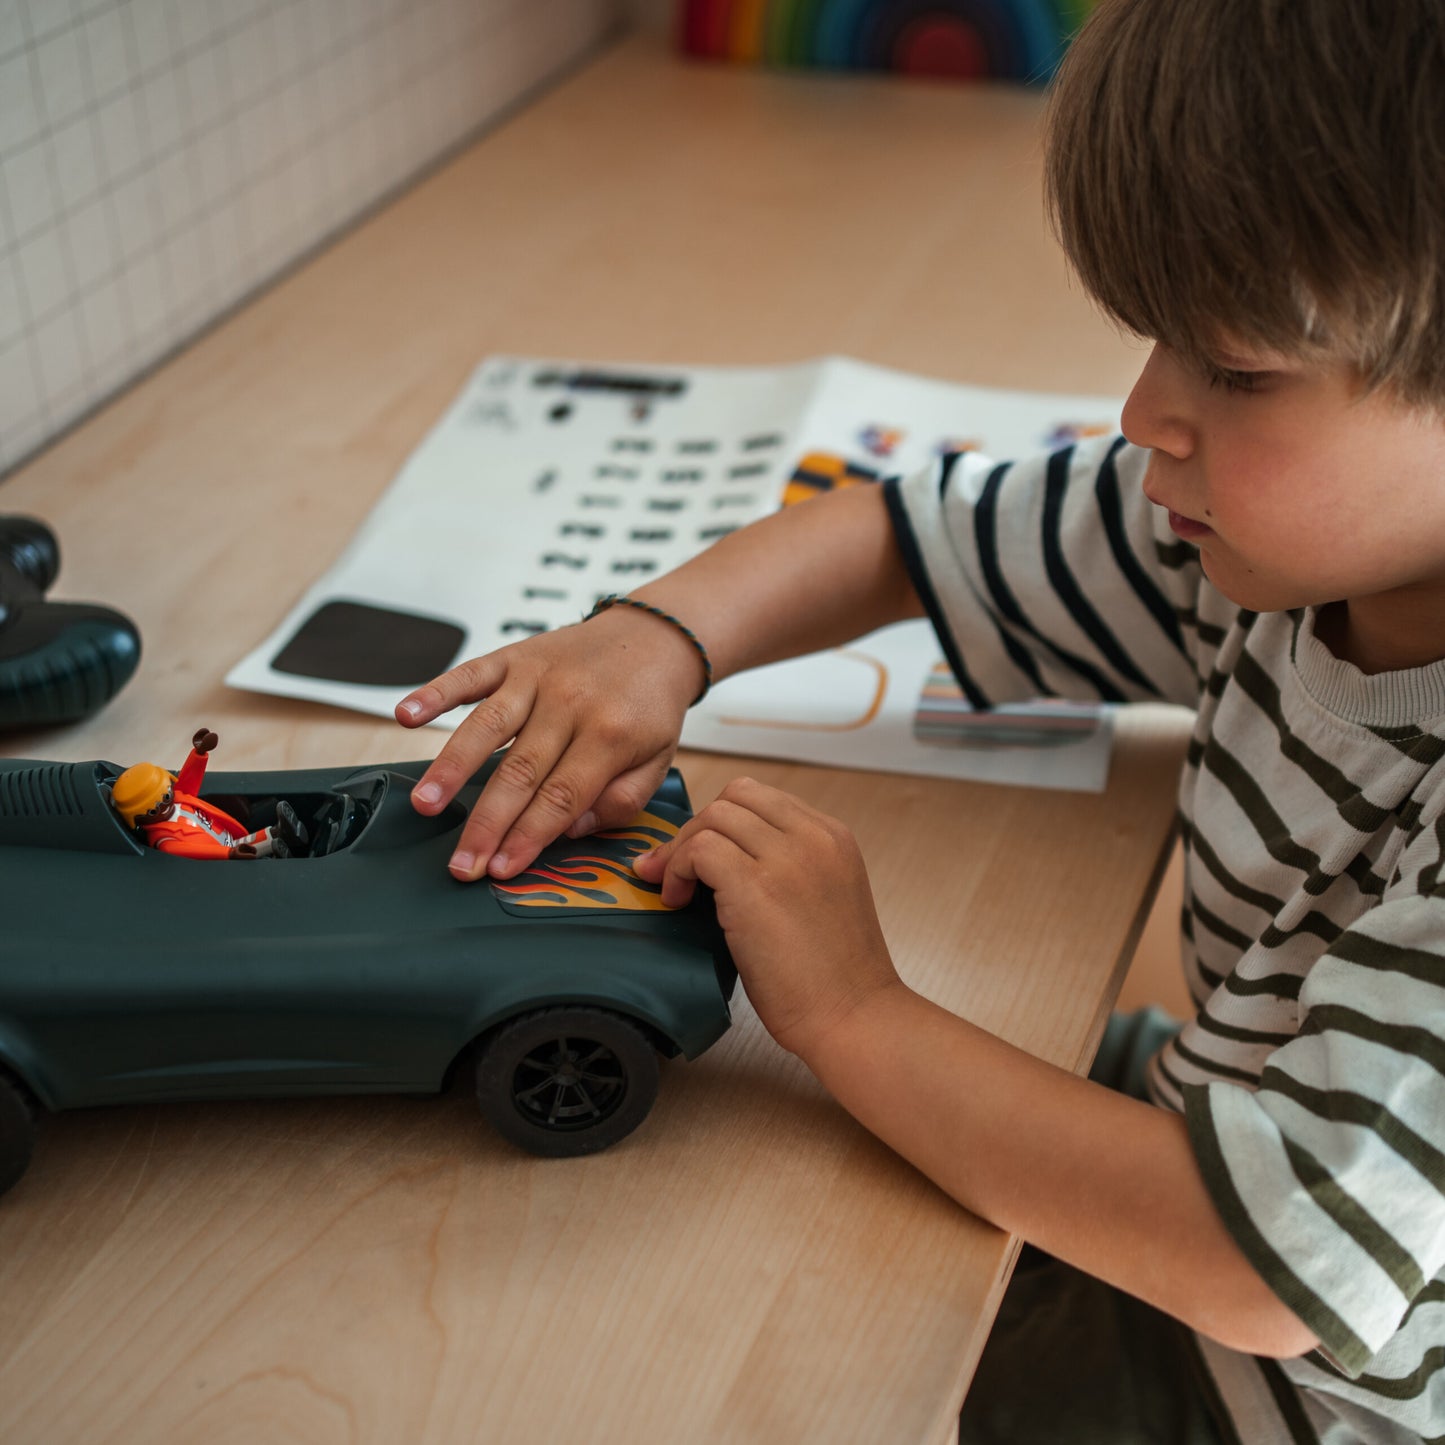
549,484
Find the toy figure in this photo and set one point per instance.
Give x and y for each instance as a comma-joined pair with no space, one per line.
165,809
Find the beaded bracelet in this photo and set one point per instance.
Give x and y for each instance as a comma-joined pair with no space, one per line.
617,600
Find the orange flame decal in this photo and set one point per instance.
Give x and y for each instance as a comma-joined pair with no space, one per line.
589,875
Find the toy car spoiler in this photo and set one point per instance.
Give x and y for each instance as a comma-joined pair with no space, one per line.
61,805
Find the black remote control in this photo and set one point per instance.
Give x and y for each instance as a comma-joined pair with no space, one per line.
59,661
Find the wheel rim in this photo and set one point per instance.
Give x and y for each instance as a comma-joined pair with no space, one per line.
568,1083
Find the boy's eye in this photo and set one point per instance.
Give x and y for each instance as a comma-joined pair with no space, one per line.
1230,380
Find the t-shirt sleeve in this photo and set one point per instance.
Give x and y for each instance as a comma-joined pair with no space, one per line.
1053,576
1331,1175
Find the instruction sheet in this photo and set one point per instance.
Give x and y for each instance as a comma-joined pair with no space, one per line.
549,484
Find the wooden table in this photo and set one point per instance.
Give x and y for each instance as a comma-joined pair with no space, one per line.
750,1266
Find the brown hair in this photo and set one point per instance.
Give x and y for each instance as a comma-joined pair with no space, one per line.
1270,169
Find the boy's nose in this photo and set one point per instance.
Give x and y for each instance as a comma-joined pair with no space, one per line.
1154,415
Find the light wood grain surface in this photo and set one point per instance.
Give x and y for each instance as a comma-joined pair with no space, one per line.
751,1265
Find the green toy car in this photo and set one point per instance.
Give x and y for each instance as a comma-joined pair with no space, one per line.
128,975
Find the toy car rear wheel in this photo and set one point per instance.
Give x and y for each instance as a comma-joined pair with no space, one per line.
567,1081
17,1132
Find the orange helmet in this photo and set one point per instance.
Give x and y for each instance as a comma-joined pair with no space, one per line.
139,789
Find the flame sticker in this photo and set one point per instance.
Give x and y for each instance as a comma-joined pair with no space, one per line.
591,875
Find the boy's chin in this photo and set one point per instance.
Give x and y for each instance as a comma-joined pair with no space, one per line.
1247,589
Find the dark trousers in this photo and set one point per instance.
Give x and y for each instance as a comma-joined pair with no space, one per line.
1073,1361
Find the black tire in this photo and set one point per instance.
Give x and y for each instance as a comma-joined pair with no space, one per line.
17,1132
567,1081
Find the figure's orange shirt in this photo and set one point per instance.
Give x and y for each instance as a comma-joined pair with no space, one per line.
193,836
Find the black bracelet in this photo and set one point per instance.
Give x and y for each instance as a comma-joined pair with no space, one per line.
617,600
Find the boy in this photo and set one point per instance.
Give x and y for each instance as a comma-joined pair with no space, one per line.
1258,186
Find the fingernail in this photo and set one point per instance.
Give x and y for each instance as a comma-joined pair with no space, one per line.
584,825
410,706
427,793
498,866
463,863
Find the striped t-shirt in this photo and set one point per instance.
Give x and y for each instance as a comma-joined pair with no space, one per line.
1312,1077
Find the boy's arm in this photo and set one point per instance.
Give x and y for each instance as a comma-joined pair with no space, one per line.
597,710
811,576
1106,1182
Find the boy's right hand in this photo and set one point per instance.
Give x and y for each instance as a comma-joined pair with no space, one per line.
596,710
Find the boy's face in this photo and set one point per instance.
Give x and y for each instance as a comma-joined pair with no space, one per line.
1299,489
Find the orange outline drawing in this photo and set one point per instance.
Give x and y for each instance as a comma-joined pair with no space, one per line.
869,714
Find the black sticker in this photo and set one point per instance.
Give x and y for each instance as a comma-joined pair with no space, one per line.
376,646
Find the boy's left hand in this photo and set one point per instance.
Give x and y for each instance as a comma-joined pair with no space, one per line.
792,896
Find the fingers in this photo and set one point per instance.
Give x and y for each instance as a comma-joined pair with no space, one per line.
781,809
538,792
533,795
467,682
624,797
490,725
749,817
751,813
708,856
587,749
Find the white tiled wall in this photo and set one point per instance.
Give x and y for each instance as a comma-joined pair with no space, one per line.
160,159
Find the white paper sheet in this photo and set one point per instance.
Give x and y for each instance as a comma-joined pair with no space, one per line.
550,483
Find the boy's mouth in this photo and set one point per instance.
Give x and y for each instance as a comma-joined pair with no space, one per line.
1187,528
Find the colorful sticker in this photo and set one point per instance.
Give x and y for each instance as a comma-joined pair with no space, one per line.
1066,433
881,441
591,875
821,472
956,446
945,718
